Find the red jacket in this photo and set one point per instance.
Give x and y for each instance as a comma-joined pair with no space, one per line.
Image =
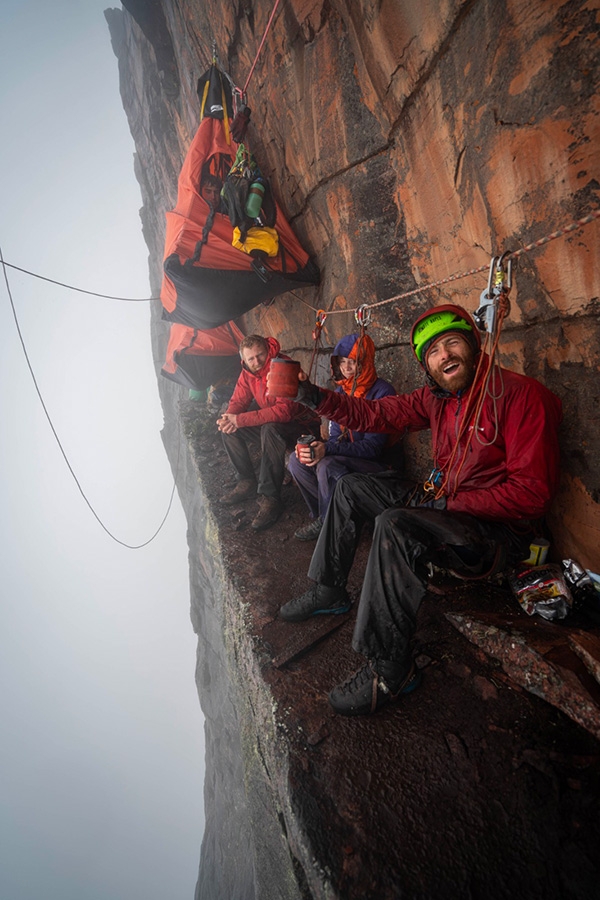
251,387
512,475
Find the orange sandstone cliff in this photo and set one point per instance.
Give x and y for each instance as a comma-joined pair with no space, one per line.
408,142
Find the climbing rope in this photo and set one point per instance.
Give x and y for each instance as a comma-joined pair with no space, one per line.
567,229
70,287
58,441
317,338
269,23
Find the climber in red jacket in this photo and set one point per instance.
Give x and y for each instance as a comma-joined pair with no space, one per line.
495,471
274,426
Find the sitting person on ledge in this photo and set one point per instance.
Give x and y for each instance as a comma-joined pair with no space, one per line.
496,470
273,426
317,467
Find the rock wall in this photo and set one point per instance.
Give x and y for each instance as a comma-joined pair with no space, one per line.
406,142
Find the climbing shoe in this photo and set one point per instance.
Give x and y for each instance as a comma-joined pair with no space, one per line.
378,683
269,510
243,489
311,531
318,600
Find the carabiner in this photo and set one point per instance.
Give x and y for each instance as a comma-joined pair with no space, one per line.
499,285
319,322
503,276
239,99
362,316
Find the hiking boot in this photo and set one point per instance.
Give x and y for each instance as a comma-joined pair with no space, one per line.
378,683
243,489
318,600
311,531
270,509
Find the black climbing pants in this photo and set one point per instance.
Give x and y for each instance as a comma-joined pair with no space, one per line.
273,439
404,540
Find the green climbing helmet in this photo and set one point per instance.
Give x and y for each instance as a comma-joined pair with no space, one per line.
438,321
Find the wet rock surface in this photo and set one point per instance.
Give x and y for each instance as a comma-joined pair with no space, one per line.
470,787
406,142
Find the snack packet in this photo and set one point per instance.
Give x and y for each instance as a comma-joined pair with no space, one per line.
541,590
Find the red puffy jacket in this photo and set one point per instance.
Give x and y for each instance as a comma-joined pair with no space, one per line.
252,386
510,472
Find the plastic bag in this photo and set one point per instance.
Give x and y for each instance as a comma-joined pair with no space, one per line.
586,593
542,590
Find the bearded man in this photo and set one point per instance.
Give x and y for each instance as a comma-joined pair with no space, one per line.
495,472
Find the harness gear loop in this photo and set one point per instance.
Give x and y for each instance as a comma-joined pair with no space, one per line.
362,316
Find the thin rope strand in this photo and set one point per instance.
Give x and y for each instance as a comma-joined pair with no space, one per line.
60,446
79,290
514,255
250,74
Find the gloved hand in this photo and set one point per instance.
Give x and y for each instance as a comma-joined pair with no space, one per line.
309,394
422,499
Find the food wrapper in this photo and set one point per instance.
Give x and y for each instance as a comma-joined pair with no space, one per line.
541,590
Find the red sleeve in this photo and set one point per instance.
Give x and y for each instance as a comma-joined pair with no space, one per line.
530,431
281,411
241,398
405,412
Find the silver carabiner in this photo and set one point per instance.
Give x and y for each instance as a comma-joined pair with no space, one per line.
362,316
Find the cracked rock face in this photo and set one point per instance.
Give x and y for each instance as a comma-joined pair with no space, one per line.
407,143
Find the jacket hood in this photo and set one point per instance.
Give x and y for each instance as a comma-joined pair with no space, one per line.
362,349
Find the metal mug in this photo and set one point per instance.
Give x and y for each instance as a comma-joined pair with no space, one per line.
305,440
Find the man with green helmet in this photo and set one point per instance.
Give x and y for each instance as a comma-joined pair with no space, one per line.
495,472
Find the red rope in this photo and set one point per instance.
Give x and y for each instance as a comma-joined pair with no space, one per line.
245,88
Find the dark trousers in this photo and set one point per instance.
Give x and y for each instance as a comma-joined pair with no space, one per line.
273,439
317,483
404,540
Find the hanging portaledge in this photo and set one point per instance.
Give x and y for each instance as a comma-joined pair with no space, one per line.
197,358
208,281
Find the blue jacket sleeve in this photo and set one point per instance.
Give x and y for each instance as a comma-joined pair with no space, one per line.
363,445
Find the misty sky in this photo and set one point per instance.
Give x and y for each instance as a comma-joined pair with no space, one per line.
101,753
